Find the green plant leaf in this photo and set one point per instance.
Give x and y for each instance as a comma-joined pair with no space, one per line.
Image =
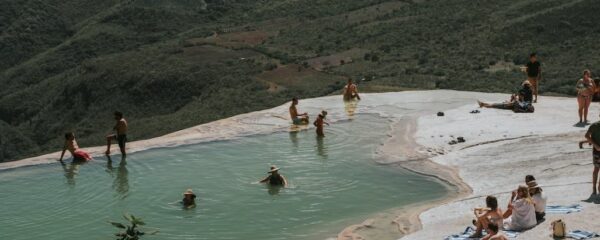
119,225
128,217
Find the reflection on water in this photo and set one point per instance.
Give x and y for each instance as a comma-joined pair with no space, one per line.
350,107
294,139
273,190
71,171
321,147
121,181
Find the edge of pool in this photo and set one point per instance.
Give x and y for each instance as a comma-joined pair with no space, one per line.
397,150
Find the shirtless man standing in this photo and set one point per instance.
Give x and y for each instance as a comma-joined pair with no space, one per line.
350,91
319,124
121,136
297,119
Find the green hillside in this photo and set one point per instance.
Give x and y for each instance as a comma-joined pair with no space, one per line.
170,64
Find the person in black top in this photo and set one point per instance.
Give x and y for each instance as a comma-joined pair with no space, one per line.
275,179
526,92
534,74
519,102
189,199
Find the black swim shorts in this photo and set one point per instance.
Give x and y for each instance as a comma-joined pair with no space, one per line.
596,158
122,139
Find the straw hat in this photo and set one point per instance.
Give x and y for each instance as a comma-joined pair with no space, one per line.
532,184
323,114
274,169
188,192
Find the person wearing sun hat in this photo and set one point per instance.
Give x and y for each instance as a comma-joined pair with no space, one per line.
539,200
189,199
320,122
274,178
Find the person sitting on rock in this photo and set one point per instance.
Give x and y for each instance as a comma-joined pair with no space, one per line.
521,211
76,152
539,200
520,102
491,214
297,119
494,233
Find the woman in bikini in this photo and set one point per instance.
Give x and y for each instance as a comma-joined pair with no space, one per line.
585,91
76,152
490,214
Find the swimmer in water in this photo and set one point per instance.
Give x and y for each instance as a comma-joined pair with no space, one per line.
320,122
189,199
274,178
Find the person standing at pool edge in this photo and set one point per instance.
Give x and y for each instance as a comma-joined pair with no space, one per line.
121,136
534,74
274,178
593,137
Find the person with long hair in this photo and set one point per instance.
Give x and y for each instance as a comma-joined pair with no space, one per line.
585,91
73,147
487,216
521,211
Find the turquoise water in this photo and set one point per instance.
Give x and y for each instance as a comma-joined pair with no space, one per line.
334,182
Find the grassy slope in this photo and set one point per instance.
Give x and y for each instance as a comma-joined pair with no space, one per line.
66,65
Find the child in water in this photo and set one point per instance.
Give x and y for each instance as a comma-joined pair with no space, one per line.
76,152
319,123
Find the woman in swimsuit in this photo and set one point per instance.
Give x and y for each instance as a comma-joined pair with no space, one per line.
585,90
76,152
485,216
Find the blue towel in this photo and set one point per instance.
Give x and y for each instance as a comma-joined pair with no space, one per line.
557,209
470,230
578,234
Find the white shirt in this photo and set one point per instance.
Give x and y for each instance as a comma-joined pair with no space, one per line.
540,202
523,216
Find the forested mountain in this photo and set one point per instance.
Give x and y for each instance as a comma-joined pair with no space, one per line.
66,65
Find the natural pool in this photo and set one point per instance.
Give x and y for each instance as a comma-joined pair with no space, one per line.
334,182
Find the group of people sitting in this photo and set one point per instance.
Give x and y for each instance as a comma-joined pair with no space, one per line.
520,102
526,208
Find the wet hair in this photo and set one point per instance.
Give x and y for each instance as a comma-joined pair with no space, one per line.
294,99
532,55
529,178
493,227
118,114
68,135
491,202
